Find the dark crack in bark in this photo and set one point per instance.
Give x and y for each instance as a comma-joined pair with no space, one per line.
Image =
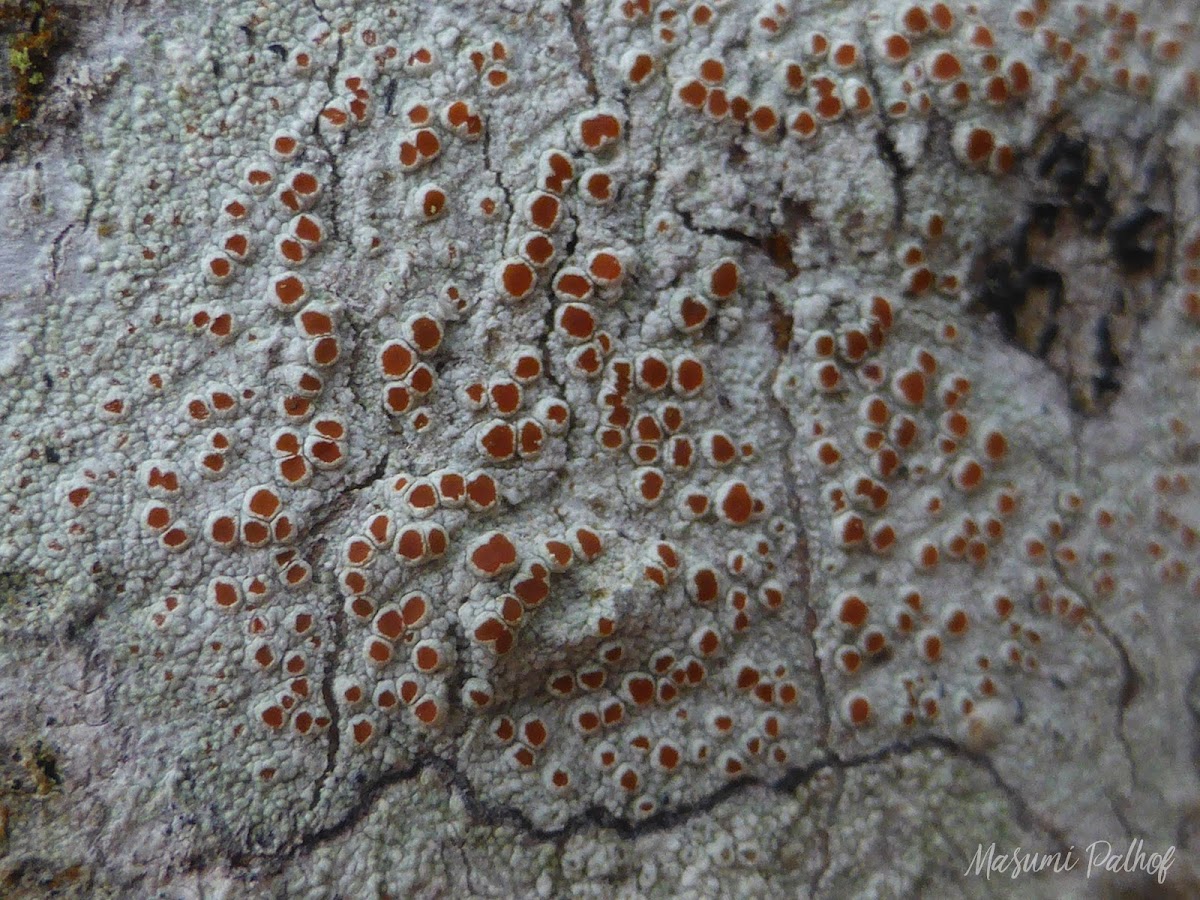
885,144
333,656
497,174
1131,679
335,175
55,254
389,95
597,817
1189,824
823,835
800,556
774,245
577,19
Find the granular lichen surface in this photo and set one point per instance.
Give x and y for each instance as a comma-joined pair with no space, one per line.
598,448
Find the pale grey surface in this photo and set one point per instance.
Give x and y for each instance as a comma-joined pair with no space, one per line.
134,752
